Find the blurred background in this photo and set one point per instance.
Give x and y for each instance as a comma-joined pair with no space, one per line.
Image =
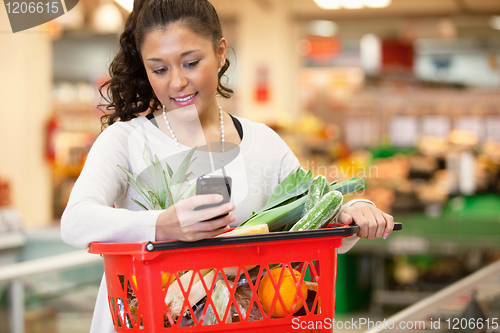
402,93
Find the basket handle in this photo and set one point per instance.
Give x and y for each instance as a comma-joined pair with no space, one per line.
273,236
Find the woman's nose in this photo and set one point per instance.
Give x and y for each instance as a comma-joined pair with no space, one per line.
178,81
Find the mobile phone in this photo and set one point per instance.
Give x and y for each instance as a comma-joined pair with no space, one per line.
214,185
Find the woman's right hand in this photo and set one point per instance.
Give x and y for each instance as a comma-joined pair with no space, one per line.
181,221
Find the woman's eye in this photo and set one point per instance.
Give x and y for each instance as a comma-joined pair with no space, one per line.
192,64
159,71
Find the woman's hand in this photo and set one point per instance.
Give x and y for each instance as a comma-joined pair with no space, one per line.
373,223
180,221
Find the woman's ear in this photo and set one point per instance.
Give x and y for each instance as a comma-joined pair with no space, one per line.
222,50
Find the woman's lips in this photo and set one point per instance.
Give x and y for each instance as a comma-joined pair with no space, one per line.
186,100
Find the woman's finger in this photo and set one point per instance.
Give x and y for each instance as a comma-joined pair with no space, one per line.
187,213
361,221
389,226
381,224
210,234
372,222
345,218
203,199
209,213
213,228
209,226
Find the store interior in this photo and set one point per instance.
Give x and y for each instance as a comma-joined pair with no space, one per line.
403,94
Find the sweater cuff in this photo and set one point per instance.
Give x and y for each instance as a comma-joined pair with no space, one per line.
348,243
350,203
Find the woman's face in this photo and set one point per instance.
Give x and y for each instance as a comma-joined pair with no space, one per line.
182,67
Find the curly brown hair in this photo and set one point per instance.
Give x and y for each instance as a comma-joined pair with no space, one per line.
128,92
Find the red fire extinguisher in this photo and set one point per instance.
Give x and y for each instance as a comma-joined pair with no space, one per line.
51,130
262,85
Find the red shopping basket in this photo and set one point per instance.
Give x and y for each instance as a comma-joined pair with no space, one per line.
139,276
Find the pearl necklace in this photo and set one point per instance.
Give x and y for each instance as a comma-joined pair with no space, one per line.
175,138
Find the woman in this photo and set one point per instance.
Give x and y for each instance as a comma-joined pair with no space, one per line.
172,58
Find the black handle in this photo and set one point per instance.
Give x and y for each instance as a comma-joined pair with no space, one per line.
273,236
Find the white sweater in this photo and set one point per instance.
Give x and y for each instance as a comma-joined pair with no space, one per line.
263,162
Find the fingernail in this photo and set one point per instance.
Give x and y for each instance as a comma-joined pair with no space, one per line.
232,218
218,197
386,235
230,207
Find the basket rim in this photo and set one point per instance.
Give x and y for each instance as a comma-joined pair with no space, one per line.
144,247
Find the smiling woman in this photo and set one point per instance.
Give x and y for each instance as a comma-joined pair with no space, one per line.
170,63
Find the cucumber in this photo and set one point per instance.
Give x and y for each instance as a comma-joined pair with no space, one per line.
318,188
318,217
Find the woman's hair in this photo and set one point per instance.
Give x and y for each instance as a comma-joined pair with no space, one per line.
129,92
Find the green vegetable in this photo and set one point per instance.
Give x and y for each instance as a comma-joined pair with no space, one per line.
321,213
352,185
162,193
318,188
303,182
285,210
289,183
277,218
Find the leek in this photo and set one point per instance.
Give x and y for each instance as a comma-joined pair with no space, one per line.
277,218
291,181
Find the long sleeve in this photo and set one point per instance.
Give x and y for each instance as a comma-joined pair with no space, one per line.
90,215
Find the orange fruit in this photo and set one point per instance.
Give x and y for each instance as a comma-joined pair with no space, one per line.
287,290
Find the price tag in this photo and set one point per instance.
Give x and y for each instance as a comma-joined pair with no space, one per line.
472,124
403,131
436,126
493,128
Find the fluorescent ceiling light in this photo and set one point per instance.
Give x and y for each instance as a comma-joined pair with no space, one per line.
323,28
352,4
371,53
107,18
128,5
328,4
495,22
377,3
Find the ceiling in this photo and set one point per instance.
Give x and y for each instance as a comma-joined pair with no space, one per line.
470,18
307,9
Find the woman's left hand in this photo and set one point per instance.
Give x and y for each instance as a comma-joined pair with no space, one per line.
373,223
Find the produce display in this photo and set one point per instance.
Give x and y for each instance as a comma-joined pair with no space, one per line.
298,203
